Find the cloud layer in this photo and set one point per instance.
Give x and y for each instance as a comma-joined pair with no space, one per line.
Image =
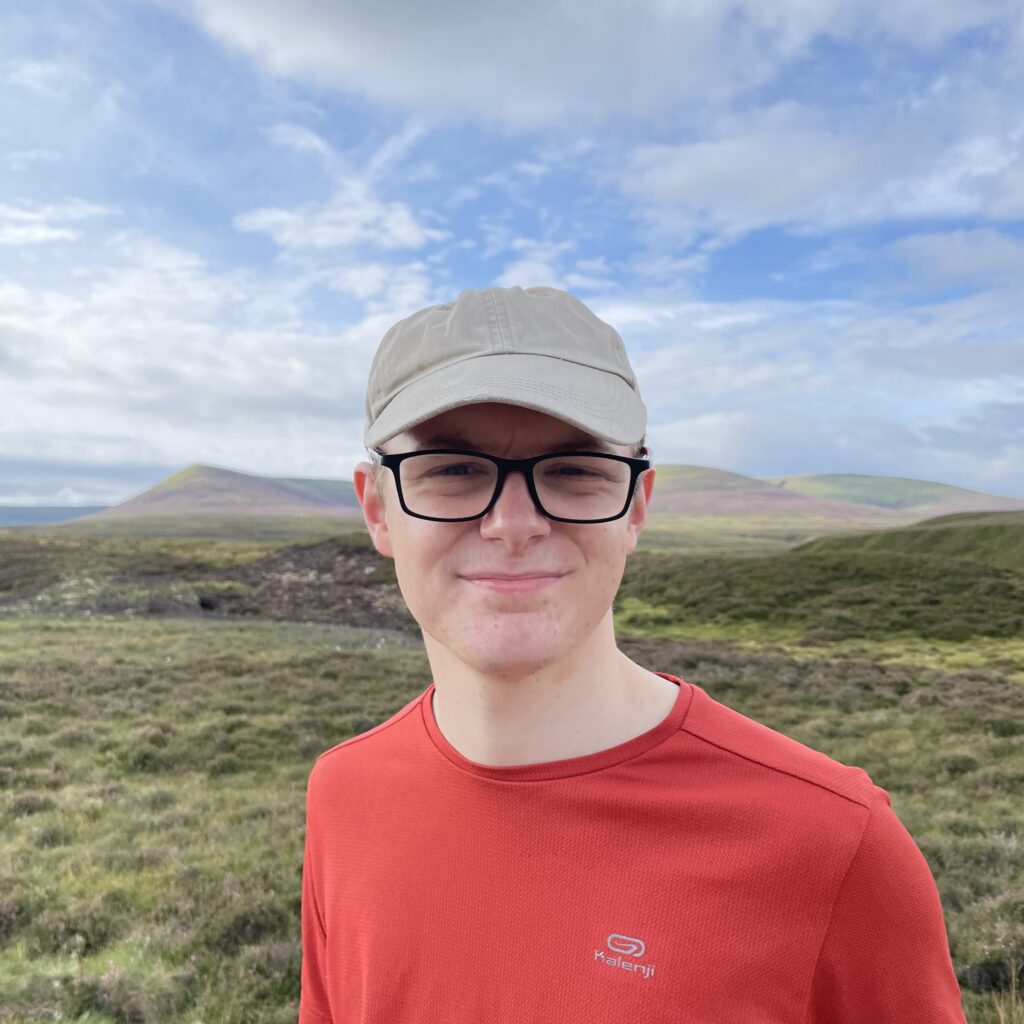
805,220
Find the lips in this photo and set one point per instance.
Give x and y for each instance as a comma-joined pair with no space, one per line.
540,574
512,584
511,576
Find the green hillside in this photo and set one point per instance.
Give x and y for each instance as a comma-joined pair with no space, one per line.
994,538
825,595
673,479
894,492
220,486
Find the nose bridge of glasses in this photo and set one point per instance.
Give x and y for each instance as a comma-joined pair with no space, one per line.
517,468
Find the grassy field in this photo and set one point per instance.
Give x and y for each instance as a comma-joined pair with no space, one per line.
996,538
162,702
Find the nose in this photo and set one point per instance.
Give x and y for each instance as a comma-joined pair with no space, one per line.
514,515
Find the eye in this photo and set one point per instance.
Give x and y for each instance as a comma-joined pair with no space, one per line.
578,468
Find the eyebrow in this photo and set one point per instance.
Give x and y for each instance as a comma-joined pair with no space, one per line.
583,443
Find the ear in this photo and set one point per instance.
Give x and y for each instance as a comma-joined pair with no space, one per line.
374,512
637,514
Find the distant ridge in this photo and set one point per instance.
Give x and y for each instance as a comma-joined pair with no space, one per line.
705,491
205,490
696,508
202,490
895,492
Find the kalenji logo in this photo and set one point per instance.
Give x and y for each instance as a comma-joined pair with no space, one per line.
625,944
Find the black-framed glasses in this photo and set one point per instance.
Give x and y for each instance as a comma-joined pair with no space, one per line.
455,485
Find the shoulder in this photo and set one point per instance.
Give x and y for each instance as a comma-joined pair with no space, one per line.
368,748
765,755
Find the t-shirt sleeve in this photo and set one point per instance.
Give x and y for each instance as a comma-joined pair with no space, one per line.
885,956
313,1005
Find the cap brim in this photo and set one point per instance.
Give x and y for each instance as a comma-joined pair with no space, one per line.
601,403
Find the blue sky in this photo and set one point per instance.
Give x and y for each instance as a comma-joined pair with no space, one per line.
806,220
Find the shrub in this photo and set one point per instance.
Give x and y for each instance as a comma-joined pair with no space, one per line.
959,764
242,919
31,803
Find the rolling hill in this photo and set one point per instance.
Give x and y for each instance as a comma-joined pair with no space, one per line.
210,490
994,538
922,497
696,508
703,491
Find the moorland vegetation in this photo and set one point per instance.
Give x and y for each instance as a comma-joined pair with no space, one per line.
163,699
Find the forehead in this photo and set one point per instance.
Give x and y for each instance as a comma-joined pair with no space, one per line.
489,425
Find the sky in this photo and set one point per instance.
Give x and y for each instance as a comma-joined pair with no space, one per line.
804,217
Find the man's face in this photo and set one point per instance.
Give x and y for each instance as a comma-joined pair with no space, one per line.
502,632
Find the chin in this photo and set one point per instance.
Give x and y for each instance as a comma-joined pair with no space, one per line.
511,657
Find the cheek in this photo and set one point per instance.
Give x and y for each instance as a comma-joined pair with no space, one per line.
423,561
603,549
602,572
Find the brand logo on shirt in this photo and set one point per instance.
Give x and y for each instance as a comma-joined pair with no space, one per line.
626,946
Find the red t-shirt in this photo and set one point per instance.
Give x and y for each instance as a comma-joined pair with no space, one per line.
708,871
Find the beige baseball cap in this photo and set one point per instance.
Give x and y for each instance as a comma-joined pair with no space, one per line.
540,348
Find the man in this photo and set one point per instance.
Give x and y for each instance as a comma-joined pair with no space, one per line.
550,833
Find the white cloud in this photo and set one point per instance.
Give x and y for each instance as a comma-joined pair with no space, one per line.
397,147
385,285
49,78
155,357
980,255
148,356
25,159
32,234
784,387
352,216
534,169
302,140
590,61
31,224
794,166
539,263
461,194
547,262
362,280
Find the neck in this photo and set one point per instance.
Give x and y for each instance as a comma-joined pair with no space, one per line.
591,699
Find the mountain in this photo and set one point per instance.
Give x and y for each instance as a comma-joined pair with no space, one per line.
212,491
703,491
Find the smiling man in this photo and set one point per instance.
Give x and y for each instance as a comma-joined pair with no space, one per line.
551,833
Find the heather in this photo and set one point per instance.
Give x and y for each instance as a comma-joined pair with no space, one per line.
161,703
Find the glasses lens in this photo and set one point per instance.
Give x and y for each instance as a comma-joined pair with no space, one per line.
454,486
581,486
447,486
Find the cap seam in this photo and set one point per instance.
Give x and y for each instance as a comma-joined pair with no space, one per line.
498,321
